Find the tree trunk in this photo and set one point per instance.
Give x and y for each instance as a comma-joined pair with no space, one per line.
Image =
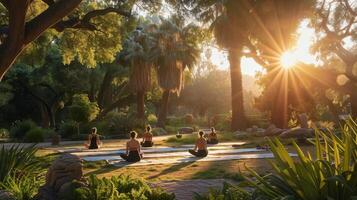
140,104
238,116
163,109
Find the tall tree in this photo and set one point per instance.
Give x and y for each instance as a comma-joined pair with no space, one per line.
137,53
335,23
258,29
26,20
175,48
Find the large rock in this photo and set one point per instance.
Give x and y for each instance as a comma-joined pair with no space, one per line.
272,130
298,133
63,170
186,130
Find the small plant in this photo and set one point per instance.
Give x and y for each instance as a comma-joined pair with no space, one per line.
115,188
35,135
4,133
20,128
68,129
228,192
152,119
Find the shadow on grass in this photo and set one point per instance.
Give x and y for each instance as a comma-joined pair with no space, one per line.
102,167
174,168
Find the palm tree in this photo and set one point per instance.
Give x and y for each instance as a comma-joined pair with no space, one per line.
138,56
174,50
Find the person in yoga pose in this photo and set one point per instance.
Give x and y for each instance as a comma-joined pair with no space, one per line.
133,149
212,137
200,149
147,138
93,140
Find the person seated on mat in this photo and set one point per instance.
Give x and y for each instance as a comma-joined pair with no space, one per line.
133,149
200,149
212,137
93,140
147,138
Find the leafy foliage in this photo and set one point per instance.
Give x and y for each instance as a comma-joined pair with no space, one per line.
332,175
20,128
117,188
82,110
17,161
228,192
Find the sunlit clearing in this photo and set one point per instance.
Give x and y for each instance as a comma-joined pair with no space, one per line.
288,60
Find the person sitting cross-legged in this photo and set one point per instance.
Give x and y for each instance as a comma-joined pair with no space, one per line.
133,149
147,138
200,149
212,137
93,140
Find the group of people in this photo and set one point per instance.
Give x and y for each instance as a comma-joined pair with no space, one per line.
133,151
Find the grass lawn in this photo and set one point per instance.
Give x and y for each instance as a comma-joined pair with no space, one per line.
183,171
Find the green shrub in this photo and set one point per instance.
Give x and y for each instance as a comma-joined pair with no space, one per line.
20,128
158,131
152,119
115,188
35,135
175,121
23,188
68,129
171,129
228,192
17,161
122,123
332,175
4,133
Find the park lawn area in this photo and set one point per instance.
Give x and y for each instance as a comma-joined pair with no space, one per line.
232,170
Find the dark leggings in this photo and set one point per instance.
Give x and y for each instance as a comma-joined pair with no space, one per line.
147,144
199,153
133,156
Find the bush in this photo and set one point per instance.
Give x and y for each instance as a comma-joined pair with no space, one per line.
20,128
121,187
228,192
35,135
158,131
16,160
122,123
68,129
152,119
4,133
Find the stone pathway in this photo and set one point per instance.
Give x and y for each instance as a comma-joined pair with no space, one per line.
184,190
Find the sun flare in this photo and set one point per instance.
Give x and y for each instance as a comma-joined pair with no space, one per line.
288,60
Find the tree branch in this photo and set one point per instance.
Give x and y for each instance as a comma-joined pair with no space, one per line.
48,18
349,7
85,23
